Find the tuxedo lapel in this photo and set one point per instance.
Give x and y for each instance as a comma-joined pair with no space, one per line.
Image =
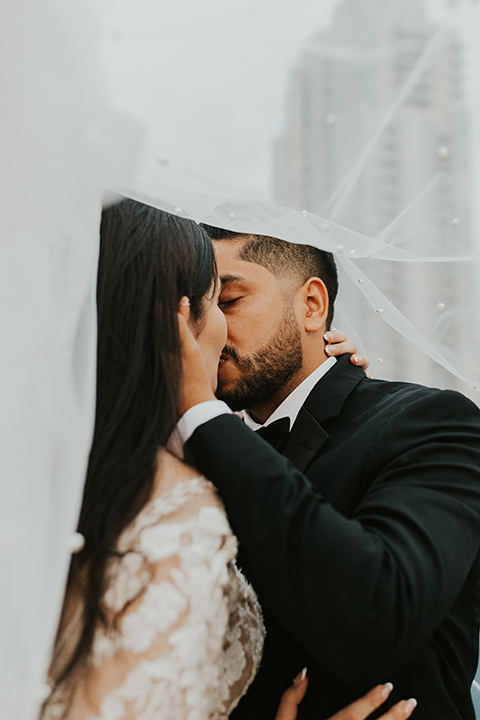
326,400
306,439
329,395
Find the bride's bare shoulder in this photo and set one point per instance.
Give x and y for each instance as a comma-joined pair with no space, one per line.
171,471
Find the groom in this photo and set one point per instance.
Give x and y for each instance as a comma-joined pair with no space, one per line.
361,531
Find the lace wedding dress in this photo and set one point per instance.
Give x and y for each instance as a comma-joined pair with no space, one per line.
190,634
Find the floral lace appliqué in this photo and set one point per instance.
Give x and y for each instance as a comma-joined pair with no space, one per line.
190,634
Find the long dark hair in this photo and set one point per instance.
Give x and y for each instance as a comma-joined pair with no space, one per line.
148,261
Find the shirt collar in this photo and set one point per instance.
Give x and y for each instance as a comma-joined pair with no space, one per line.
290,407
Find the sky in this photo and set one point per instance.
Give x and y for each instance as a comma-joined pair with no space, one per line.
210,79
213,85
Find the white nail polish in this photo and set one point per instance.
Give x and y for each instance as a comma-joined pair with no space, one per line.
387,689
411,705
300,677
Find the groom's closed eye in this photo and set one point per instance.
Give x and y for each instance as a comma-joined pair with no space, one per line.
222,304
234,288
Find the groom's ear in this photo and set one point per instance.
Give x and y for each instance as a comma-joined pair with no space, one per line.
314,304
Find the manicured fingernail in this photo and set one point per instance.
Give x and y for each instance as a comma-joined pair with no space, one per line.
333,329
329,350
386,690
328,336
356,359
301,676
411,705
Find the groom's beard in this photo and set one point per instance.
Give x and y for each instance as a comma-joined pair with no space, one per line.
267,371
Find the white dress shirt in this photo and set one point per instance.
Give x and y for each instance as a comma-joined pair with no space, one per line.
203,412
290,407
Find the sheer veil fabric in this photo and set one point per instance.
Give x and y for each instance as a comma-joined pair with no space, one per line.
346,125
59,143
351,125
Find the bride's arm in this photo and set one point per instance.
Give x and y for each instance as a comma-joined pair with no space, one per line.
167,613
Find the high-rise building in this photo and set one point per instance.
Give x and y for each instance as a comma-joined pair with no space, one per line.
347,80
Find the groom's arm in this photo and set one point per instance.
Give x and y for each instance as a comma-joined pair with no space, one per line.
362,594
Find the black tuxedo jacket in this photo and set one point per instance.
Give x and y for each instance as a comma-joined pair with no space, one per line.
362,543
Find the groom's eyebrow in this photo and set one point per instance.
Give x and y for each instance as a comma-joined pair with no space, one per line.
225,279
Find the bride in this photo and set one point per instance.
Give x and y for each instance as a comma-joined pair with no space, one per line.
157,622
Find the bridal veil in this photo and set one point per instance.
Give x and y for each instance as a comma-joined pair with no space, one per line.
351,125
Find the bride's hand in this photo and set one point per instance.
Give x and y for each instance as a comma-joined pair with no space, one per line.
291,698
358,710
338,344
196,382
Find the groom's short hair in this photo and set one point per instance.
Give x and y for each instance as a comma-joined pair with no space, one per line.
285,258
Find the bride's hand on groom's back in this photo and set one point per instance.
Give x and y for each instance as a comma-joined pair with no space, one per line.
359,710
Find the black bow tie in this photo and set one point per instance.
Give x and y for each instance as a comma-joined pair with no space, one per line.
276,433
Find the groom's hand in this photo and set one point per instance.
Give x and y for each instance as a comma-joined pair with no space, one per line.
196,385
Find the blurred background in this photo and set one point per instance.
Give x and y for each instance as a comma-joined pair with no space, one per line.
346,79
361,115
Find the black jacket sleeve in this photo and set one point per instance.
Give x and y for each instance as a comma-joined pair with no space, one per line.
361,593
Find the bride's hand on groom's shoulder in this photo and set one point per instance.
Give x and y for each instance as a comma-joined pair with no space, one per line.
358,710
337,343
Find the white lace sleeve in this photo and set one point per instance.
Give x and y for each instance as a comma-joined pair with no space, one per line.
172,585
